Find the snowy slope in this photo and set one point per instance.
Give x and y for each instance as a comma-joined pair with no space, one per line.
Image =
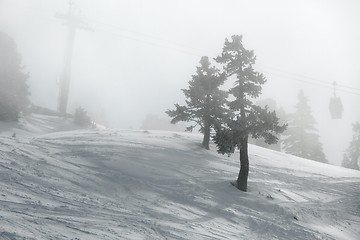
36,124
117,184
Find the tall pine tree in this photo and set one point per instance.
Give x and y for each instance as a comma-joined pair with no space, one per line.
13,88
352,155
301,138
205,102
246,118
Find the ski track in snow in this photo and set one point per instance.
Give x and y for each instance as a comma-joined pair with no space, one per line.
118,184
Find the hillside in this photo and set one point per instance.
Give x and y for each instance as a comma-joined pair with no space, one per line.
122,184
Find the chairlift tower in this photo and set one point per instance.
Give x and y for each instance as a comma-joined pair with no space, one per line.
73,22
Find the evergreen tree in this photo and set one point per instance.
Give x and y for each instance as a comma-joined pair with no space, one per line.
205,102
281,114
246,118
351,157
13,88
301,138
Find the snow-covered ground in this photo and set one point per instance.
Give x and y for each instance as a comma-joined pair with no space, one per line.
122,184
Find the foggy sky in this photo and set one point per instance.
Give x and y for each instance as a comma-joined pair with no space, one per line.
141,53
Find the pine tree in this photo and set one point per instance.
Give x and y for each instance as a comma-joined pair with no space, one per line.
205,102
301,138
281,114
13,88
246,118
352,155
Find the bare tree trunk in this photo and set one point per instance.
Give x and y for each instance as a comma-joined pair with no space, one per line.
241,181
206,139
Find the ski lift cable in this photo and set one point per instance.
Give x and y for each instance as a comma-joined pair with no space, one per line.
114,34
145,35
191,52
311,80
330,87
36,12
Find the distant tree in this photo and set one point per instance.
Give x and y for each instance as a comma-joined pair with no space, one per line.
81,118
205,102
13,88
301,138
352,155
246,118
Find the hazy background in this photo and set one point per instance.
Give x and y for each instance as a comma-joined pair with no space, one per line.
141,53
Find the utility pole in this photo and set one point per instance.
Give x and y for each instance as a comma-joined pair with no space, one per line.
73,21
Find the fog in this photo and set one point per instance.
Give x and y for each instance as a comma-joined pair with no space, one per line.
140,53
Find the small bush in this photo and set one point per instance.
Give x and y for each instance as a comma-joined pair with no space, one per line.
81,118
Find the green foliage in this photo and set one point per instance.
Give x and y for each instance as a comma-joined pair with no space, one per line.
280,113
301,138
81,118
259,123
246,118
226,139
205,102
13,88
181,113
352,155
